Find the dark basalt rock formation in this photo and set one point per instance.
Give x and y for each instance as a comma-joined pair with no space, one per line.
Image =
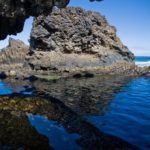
72,39
13,13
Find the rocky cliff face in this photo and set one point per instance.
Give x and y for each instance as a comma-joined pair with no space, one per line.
72,39
15,52
12,57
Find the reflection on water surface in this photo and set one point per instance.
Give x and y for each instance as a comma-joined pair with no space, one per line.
74,114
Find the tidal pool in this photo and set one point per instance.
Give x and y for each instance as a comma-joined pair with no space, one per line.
72,114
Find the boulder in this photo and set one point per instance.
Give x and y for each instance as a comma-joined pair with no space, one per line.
147,74
3,75
74,39
31,78
89,75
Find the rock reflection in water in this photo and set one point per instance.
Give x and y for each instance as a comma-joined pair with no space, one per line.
16,130
5,89
18,86
84,96
17,133
57,134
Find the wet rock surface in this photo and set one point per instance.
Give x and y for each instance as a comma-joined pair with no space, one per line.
73,38
3,75
18,108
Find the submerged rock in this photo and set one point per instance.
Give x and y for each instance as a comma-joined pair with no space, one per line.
72,39
89,75
18,132
147,74
31,78
3,75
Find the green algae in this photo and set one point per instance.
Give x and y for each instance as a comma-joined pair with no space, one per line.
49,77
16,130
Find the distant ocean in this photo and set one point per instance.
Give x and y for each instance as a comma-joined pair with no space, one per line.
142,61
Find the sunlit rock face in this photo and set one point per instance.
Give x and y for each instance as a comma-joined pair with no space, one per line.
14,53
12,57
14,13
72,39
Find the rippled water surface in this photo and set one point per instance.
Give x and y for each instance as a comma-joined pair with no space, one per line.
128,115
79,114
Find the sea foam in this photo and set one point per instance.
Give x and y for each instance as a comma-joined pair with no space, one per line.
142,64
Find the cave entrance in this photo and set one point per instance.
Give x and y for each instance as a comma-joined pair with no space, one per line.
23,36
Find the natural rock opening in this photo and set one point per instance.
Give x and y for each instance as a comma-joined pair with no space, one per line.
23,36
14,13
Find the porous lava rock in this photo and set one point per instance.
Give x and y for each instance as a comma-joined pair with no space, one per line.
73,39
13,13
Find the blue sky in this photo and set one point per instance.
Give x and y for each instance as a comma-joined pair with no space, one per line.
130,17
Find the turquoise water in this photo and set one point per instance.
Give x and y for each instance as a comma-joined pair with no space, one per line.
142,61
142,58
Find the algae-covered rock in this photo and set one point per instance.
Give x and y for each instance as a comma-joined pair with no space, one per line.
17,132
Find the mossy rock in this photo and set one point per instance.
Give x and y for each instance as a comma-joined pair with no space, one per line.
48,77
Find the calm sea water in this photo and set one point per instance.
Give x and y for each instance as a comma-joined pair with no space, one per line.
128,116
142,61
114,105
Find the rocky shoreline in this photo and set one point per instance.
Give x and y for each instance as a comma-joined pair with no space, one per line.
69,42
13,63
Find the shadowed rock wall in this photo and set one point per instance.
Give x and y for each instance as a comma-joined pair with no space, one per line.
13,13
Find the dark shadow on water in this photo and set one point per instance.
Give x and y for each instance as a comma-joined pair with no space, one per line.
84,96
